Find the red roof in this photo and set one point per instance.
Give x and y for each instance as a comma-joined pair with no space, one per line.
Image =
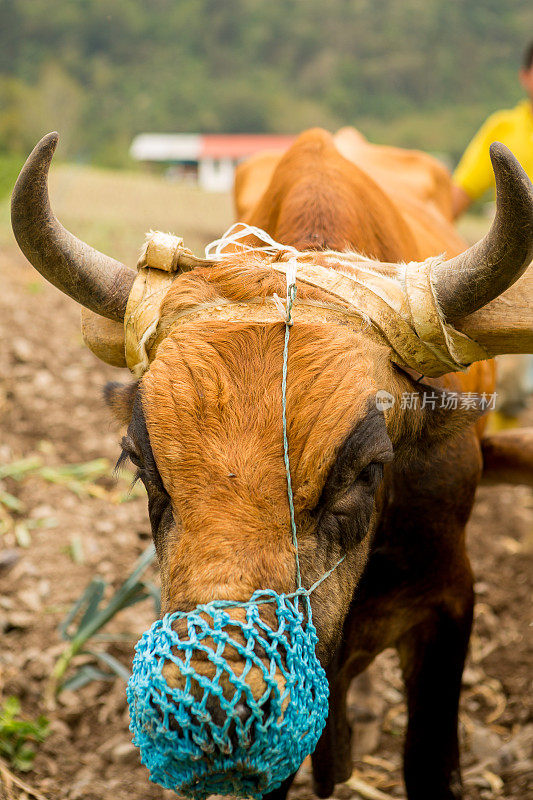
239,145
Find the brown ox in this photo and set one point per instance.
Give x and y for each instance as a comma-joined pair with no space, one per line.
418,185
390,492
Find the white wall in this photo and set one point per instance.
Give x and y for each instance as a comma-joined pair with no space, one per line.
216,175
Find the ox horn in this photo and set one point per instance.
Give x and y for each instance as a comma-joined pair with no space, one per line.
469,281
93,279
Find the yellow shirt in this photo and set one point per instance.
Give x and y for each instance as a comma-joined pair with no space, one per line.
513,127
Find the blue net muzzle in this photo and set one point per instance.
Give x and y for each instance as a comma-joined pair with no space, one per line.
194,737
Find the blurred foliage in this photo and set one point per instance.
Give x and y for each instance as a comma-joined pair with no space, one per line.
417,72
81,479
89,614
16,735
10,165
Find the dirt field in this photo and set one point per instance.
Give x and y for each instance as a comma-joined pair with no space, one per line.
63,533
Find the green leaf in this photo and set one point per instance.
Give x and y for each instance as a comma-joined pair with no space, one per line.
22,535
87,471
24,758
126,595
10,709
76,550
41,522
85,675
7,749
17,469
11,502
16,733
155,593
90,600
111,662
95,617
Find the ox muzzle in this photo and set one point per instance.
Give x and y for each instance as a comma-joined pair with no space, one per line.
230,697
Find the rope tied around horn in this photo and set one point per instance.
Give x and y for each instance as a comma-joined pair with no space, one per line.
396,303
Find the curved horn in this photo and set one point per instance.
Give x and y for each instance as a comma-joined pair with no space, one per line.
93,279
472,279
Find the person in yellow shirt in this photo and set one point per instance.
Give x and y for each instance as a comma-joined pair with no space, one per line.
471,179
513,127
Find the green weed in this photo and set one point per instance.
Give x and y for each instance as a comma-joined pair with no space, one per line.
18,735
88,616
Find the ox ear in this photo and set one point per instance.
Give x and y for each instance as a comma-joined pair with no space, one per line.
435,412
120,398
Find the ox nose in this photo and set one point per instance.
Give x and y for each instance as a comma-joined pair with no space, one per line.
241,712
241,715
228,696
227,690
228,686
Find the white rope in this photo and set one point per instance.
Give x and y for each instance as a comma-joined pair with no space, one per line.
239,231
400,303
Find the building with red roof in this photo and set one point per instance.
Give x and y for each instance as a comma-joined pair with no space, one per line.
209,159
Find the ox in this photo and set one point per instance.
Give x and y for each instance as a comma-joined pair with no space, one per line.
391,492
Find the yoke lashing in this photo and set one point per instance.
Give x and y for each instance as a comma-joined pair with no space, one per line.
191,732
395,304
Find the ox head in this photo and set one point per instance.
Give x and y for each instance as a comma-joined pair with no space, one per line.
204,425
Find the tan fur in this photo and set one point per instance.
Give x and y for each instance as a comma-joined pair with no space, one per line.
212,406
251,180
415,184
344,208
213,412
236,664
508,457
418,185
212,402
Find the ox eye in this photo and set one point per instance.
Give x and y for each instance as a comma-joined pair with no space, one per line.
372,474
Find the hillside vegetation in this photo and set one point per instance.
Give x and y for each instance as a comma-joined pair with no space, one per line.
416,73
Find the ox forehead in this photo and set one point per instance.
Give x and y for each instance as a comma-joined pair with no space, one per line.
206,432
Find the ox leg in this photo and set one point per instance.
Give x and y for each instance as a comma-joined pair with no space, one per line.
432,656
332,759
